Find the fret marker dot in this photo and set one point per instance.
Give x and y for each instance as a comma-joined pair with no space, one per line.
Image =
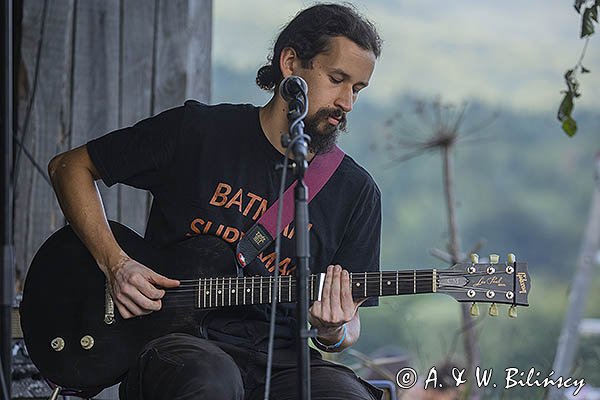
389,283
357,284
248,290
218,291
232,290
207,292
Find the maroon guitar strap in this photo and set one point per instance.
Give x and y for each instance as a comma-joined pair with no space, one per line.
263,232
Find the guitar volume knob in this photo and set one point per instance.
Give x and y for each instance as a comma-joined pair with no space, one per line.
87,342
57,344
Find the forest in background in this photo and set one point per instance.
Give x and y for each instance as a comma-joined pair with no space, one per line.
521,184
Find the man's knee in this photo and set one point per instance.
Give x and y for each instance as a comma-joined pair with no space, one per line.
339,382
180,366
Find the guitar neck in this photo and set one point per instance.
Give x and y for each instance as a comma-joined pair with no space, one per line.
233,291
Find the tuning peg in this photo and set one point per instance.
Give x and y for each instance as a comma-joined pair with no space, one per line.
512,311
494,258
493,310
511,258
474,310
475,258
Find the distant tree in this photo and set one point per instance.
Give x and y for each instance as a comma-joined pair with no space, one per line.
565,110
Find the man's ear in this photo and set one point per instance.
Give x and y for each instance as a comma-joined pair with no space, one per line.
288,62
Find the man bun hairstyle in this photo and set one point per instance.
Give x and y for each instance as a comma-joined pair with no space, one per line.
309,33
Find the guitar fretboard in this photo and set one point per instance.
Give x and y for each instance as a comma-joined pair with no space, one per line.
234,291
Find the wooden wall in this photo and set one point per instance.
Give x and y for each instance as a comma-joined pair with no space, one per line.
88,67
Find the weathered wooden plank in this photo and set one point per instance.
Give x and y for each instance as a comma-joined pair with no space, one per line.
183,58
96,78
43,130
137,39
85,72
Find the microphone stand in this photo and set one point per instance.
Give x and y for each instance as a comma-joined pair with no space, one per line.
299,147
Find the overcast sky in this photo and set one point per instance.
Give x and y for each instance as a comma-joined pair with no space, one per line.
511,53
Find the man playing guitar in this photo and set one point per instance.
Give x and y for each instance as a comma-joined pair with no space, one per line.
211,170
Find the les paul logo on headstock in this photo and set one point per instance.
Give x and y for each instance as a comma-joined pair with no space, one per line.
497,281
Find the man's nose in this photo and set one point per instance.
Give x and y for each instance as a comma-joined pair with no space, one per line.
345,100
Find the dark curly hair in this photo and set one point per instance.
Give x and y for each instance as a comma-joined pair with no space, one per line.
309,33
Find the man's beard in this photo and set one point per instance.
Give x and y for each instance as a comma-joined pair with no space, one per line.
323,139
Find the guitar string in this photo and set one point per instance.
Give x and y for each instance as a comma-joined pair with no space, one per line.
361,275
408,277
174,291
193,301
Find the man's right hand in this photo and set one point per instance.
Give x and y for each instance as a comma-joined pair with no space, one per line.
135,287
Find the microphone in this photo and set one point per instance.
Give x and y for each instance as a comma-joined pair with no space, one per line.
292,87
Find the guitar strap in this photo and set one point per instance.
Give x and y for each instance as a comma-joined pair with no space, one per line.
263,232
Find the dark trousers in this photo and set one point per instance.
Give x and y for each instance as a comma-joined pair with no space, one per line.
180,366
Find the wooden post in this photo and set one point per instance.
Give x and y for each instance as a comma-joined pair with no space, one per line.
44,123
87,68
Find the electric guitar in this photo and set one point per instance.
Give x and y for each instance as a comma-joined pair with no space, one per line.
78,340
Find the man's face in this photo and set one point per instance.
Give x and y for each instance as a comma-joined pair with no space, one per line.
334,81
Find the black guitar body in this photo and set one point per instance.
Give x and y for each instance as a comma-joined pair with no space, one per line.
64,299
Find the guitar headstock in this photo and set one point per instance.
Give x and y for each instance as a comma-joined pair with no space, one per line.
492,282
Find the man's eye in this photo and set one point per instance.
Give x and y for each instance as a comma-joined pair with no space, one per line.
332,79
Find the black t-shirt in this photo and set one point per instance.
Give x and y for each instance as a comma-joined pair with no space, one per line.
212,170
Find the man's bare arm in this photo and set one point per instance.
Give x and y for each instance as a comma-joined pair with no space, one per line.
133,285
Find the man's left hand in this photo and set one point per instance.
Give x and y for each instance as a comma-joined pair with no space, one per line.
336,308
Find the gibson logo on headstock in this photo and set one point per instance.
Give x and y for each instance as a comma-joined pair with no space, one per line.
490,281
522,276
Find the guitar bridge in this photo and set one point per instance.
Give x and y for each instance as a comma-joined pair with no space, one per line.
109,306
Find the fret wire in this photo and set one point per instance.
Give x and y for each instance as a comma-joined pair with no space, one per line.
223,292
260,291
289,288
200,293
380,284
414,280
365,284
205,292
244,298
270,286
237,292
210,292
279,288
216,292
229,291
252,294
